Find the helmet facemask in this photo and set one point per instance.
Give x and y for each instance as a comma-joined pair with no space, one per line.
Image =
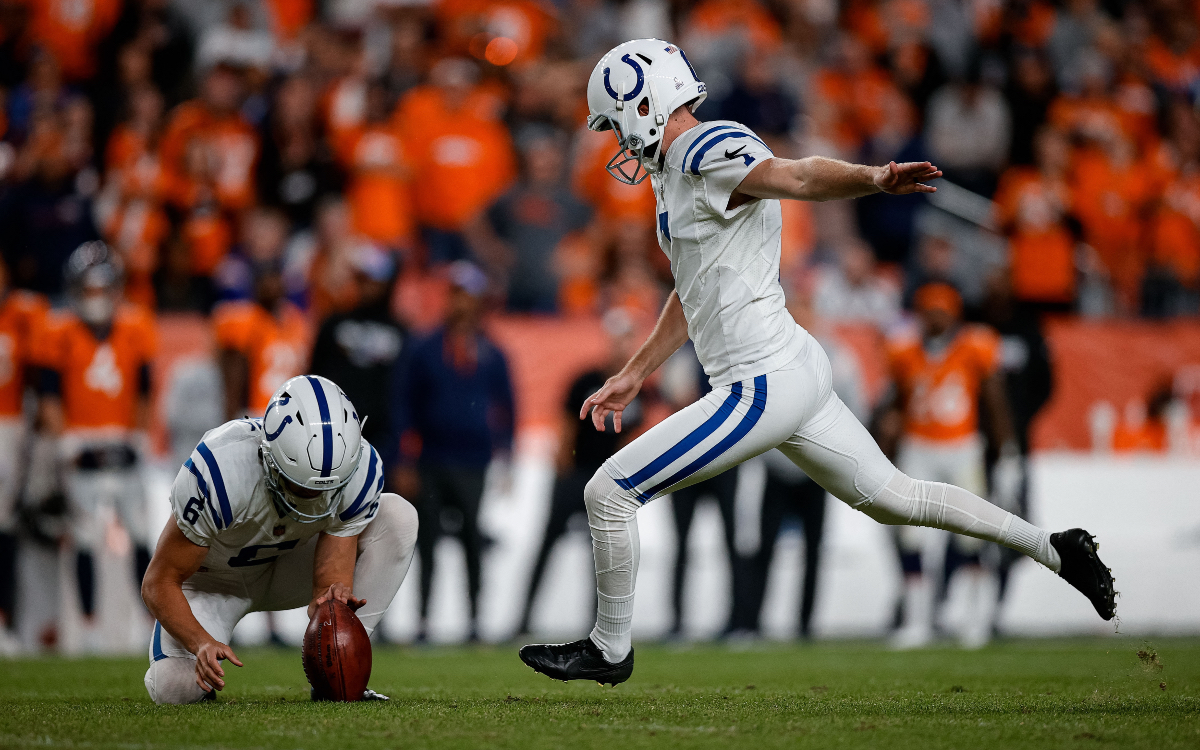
639,132
285,493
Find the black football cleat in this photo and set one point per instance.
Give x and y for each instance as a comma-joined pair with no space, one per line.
1081,567
581,660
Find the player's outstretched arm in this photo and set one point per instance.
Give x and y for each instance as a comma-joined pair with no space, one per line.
817,178
175,560
669,334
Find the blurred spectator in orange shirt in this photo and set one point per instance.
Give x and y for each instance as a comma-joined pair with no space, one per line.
520,233
719,32
297,168
129,209
1032,205
1172,55
461,159
379,190
209,135
1111,192
71,30
505,31
263,340
344,100
850,97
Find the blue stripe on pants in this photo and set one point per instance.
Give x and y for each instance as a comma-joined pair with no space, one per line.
156,643
692,439
753,414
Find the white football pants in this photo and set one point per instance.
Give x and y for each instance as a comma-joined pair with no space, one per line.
795,410
385,550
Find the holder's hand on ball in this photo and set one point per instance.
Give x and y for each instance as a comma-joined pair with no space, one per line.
208,665
339,591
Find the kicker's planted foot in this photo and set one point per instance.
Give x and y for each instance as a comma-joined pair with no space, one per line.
580,660
1082,568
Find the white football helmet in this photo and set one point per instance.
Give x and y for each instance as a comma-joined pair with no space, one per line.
643,75
311,445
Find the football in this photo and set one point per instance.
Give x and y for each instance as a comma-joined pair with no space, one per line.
337,654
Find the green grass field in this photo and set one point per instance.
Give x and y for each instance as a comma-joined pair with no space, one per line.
1046,694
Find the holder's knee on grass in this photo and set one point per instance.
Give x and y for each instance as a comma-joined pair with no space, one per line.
172,681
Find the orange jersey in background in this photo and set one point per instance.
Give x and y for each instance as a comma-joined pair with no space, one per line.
462,159
230,152
100,380
71,29
22,316
275,348
378,193
1032,208
941,393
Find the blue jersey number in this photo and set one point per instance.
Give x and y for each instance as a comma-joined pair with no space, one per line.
249,555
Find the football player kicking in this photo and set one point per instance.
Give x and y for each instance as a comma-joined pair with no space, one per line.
271,514
717,188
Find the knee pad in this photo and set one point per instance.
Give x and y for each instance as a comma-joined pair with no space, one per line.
894,504
606,501
172,681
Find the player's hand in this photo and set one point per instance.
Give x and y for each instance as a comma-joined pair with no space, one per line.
209,675
339,591
616,394
906,178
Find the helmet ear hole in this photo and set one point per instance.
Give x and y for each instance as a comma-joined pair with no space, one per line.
643,108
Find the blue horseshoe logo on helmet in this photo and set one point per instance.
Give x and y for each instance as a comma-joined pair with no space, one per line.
286,420
641,80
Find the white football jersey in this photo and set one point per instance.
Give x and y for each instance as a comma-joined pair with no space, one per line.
725,261
220,500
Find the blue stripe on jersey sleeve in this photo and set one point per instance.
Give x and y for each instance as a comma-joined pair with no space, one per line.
359,502
695,166
218,482
203,486
700,138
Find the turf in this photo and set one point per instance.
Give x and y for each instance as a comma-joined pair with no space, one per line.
1051,694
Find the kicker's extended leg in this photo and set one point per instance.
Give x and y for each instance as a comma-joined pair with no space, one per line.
837,451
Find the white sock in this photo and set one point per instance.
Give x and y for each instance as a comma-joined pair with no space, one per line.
1029,539
615,545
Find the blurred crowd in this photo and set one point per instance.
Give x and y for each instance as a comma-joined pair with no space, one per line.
345,172
205,141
